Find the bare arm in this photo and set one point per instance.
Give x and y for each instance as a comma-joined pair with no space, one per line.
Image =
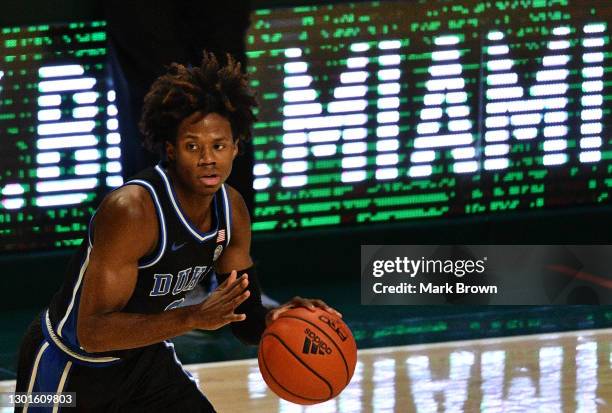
125,230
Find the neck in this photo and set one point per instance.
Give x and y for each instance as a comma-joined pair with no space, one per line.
197,207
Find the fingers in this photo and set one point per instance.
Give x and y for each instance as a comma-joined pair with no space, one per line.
236,293
313,304
234,303
274,314
298,301
228,308
326,307
237,287
218,309
232,282
228,280
239,298
305,302
231,318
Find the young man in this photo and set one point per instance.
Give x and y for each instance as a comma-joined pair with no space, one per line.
149,243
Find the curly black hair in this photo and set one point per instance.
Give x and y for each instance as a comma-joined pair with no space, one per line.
210,88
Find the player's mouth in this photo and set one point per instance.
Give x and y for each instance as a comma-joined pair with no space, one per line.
210,179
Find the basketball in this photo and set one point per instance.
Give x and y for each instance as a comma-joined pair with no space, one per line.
307,357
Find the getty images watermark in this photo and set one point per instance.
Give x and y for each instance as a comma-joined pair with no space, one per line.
486,274
430,267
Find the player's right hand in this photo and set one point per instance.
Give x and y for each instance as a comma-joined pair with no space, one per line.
218,309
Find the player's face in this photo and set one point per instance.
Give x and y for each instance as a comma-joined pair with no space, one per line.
203,153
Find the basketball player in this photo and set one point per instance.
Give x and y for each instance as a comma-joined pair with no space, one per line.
104,335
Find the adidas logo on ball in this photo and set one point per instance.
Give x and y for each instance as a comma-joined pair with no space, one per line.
314,345
307,356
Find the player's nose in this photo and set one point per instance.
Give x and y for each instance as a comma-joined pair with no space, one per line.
206,157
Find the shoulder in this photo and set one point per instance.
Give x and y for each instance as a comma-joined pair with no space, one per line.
130,201
126,218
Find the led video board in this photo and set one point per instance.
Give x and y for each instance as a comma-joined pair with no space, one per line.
58,132
370,112
385,111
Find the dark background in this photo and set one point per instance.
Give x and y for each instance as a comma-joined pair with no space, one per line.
145,36
323,263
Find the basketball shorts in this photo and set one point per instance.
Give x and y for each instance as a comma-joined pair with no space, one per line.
150,380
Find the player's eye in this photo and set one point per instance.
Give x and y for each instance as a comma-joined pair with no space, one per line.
219,146
192,146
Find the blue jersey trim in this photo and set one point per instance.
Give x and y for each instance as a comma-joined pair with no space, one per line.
200,236
160,218
78,356
69,321
90,229
44,345
69,332
228,214
50,375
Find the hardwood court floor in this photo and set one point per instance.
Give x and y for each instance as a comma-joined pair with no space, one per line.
564,372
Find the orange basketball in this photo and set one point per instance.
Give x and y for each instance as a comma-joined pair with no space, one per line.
307,357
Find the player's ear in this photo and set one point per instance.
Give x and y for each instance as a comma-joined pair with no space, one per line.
235,150
170,151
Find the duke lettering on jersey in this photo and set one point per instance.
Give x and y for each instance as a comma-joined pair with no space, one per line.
186,280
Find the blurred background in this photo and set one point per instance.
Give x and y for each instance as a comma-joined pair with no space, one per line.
413,122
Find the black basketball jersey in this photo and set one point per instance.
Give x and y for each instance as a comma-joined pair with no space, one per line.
183,257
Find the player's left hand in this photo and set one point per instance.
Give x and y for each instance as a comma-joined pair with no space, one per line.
309,303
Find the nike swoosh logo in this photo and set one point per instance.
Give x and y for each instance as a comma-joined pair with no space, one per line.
176,246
